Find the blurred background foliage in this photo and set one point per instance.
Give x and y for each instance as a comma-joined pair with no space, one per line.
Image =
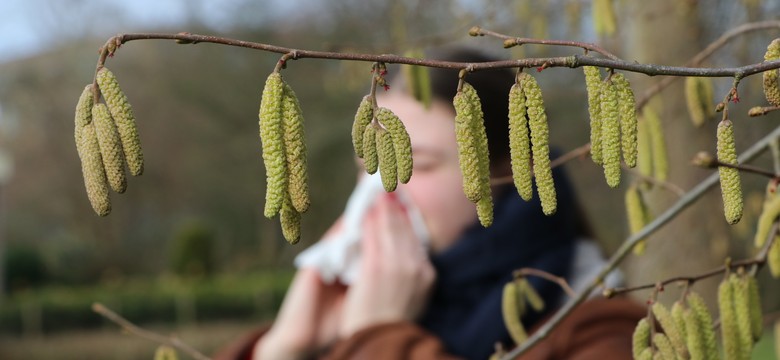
187,244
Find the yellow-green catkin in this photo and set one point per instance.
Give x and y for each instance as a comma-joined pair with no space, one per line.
658,144
770,211
604,19
628,121
122,114
401,143
295,150
417,78
83,115
370,156
754,304
644,156
291,221
741,294
365,113
481,143
728,322
698,95
695,340
92,169
110,147
610,133
485,210
771,89
641,338
272,137
388,168
593,85
679,319
773,259
537,121
165,352
730,185
637,214
703,324
664,346
530,294
676,339
468,154
519,143
509,311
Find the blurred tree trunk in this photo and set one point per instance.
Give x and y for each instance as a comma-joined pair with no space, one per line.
667,32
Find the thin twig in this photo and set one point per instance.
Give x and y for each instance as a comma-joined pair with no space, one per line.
697,59
547,276
510,41
762,110
571,155
573,61
629,244
714,163
664,184
126,325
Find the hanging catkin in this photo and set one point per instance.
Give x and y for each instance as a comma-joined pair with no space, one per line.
537,120
388,167
730,185
272,137
593,85
754,303
509,311
641,338
741,294
637,214
658,143
728,322
610,133
401,143
644,156
703,325
295,150
122,114
485,203
469,155
370,156
671,330
771,89
92,169
698,96
519,143
664,346
628,121
83,115
365,113
678,319
291,221
110,147
695,337
770,212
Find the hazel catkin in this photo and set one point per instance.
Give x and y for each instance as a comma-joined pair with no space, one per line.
370,156
754,304
519,143
365,113
83,115
771,88
637,214
593,86
664,346
468,154
741,300
388,168
698,96
703,325
485,210
480,142
657,142
730,185
628,121
537,120
92,169
295,150
676,339
123,116
401,143
509,311
678,318
728,321
769,213
290,220
272,138
610,133
110,147
641,338
694,339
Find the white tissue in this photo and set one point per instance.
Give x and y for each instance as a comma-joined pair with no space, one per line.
337,257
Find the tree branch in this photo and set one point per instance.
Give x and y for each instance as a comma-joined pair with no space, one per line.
510,41
629,244
131,328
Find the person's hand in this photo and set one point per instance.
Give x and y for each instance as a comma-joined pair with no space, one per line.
308,320
395,276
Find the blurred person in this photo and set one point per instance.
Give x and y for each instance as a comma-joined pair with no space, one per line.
444,302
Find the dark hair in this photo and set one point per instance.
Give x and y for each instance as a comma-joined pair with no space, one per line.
492,87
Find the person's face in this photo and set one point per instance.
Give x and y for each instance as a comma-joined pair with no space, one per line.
436,186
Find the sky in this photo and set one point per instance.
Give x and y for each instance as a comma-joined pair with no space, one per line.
27,27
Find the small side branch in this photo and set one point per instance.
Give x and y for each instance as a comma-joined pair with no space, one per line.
547,276
510,41
131,328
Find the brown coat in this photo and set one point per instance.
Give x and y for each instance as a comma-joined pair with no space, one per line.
596,330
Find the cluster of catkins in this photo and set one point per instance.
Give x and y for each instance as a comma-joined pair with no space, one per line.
769,215
284,155
771,88
381,140
688,331
106,139
517,295
613,122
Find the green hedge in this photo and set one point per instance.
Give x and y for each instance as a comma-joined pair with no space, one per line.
164,300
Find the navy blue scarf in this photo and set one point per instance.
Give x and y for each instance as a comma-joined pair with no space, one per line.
465,307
